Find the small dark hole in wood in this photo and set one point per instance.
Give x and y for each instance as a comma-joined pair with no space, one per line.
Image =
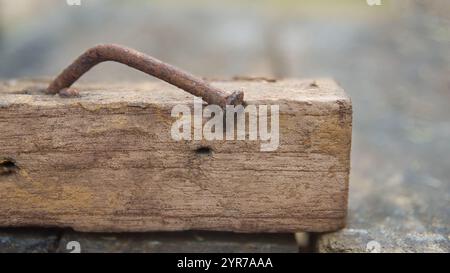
7,166
205,151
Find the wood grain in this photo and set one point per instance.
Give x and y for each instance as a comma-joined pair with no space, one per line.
106,161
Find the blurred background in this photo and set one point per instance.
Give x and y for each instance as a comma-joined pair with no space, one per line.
393,60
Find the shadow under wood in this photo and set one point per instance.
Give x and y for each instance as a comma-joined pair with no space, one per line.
152,242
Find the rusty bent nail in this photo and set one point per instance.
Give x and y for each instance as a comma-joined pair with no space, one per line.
146,64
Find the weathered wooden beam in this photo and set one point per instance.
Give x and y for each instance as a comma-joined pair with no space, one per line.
106,161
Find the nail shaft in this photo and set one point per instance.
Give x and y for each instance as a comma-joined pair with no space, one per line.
146,64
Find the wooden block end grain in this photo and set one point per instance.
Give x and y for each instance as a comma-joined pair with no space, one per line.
106,161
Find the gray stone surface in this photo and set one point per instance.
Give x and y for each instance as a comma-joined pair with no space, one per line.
28,240
399,185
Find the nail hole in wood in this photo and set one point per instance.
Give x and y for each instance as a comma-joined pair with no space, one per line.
7,166
204,151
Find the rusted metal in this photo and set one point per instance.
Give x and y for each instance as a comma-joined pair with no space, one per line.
146,64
